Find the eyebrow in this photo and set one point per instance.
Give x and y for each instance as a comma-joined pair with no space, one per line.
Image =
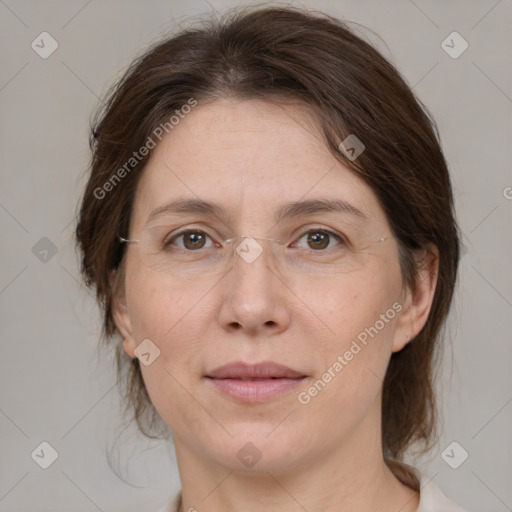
285,211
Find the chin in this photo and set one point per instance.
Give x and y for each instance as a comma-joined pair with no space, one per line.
255,450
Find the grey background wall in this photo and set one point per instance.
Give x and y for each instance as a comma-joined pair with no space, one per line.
53,386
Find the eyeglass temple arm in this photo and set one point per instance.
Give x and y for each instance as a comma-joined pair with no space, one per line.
125,240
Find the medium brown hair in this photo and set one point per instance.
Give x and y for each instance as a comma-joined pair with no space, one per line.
287,54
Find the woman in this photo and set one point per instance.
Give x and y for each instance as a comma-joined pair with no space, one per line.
269,227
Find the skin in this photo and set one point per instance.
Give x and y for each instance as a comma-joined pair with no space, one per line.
251,156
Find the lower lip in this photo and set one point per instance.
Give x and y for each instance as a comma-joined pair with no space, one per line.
255,391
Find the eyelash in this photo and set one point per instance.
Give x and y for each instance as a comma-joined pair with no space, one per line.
340,238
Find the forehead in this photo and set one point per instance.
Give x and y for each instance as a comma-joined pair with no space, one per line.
251,157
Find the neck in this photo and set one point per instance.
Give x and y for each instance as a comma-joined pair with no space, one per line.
352,477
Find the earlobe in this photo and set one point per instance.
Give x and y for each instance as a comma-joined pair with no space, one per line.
417,303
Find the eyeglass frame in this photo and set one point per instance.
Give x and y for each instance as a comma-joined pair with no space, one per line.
229,240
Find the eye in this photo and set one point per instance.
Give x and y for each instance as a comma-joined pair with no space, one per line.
319,239
191,240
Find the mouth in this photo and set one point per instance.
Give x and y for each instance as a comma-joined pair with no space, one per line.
246,383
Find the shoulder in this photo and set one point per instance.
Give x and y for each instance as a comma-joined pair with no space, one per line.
433,500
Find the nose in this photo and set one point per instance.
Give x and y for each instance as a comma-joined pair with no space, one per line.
254,295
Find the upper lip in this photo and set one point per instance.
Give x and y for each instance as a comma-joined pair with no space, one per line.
264,370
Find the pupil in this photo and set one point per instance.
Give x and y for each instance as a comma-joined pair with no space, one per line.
195,238
321,238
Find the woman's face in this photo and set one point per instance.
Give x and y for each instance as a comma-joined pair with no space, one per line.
333,318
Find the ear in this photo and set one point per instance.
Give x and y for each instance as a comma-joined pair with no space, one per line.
120,313
416,303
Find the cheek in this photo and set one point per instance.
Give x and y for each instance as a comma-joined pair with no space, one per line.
159,306
348,307
360,315
168,315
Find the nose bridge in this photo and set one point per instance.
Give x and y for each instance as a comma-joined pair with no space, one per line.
253,298
253,257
